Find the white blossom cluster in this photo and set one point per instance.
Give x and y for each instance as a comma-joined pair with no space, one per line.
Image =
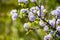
26,1
48,37
14,14
34,12
56,12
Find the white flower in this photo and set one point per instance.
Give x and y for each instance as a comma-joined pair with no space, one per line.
58,9
44,10
33,0
25,1
35,11
58,28
14,16
13,12
37,8
54,12
32,18
41,23
58,21
23,10
48,37
26,25
46,28
30,13
20,0
52,22
42,7
38,13
32,9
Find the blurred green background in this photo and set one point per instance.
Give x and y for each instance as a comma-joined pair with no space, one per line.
14,30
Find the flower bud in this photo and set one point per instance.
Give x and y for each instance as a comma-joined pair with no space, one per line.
32,18
26,25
